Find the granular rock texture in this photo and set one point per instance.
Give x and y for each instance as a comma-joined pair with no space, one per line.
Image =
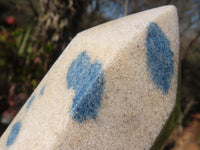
113,87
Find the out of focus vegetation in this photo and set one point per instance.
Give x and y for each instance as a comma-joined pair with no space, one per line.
34,33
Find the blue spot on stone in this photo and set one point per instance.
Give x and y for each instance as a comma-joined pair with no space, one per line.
14,133
30,101
42,90
88,82
159,57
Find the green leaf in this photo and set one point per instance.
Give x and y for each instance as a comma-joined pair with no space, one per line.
29,49
48,48
17,32
25,39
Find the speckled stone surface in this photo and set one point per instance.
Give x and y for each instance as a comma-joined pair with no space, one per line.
113,87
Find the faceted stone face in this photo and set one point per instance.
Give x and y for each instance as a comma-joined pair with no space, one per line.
159,57
13,133
87,80
113,87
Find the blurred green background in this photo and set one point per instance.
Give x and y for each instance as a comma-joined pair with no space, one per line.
34,33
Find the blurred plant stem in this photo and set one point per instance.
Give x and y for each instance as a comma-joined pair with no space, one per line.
126,8
183,114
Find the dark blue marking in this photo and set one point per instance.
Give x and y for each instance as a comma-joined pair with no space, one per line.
88,82
159,57
14,133
30,101
42,90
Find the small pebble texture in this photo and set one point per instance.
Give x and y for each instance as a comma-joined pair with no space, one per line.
87,80
113,87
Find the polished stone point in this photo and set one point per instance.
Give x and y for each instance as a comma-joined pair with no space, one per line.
113,87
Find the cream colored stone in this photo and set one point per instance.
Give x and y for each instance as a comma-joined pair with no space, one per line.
133,110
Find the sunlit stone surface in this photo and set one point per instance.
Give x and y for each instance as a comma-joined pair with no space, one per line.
113,87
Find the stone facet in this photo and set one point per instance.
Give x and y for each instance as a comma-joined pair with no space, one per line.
113,87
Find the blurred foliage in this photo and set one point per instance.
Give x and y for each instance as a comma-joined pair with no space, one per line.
32,36
34,33
17,79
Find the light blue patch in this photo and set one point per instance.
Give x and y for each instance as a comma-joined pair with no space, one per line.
88,82
42,90
30,101
159,57
14,133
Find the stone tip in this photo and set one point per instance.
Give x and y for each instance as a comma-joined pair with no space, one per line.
113,87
